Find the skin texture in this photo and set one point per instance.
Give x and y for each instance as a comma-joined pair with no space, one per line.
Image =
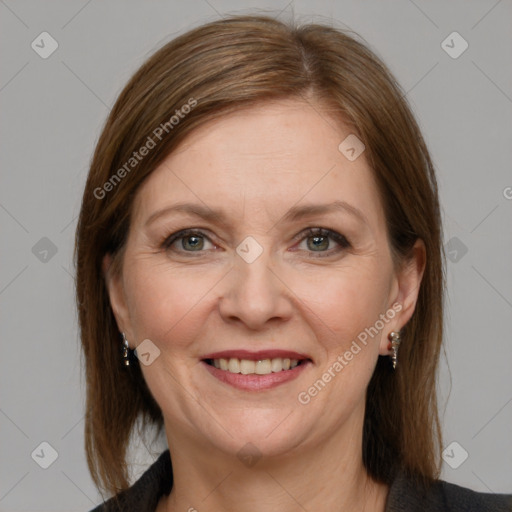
199,296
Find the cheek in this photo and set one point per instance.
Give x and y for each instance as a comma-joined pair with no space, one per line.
349,301
163,301
171,304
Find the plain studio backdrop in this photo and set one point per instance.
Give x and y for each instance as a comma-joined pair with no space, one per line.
452,59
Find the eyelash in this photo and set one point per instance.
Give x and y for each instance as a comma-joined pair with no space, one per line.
341,240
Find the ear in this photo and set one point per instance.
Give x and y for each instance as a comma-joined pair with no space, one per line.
405,292
115,289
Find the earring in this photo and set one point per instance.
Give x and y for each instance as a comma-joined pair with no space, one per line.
126,349
394,336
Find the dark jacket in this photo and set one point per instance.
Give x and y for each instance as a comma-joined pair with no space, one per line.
404,495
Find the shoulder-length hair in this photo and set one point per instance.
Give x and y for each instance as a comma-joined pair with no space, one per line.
204,74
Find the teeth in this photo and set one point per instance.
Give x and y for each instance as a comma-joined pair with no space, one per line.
249,367
246,366
234,365
276,365
263,367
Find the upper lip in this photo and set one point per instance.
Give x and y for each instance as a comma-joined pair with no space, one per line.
256,356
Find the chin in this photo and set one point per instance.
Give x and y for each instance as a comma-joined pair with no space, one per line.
266,433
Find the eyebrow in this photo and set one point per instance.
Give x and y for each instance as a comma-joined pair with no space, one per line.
293,214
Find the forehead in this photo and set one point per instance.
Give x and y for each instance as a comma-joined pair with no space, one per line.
264,158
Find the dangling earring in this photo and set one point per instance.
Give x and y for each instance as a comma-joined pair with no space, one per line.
394,336
126,349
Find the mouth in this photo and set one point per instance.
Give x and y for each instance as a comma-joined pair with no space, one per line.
259,367
256,370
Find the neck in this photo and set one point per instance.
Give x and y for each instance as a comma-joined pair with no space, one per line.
326,477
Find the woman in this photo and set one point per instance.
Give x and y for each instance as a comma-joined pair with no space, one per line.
261,223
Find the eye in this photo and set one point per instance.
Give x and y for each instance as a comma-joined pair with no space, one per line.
317,240
191,241
320,240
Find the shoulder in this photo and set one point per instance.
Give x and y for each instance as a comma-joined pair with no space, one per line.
145,493
406,495
459,498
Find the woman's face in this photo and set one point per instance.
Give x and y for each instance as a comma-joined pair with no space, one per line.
295,266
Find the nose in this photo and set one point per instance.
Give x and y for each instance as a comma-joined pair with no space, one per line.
255,294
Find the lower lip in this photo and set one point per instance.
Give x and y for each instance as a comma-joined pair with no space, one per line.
255,382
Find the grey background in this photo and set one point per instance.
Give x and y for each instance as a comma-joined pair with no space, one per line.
52,112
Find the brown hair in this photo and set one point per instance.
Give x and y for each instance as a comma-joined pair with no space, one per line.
218,68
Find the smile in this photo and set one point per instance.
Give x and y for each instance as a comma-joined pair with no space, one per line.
248,367
256,371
